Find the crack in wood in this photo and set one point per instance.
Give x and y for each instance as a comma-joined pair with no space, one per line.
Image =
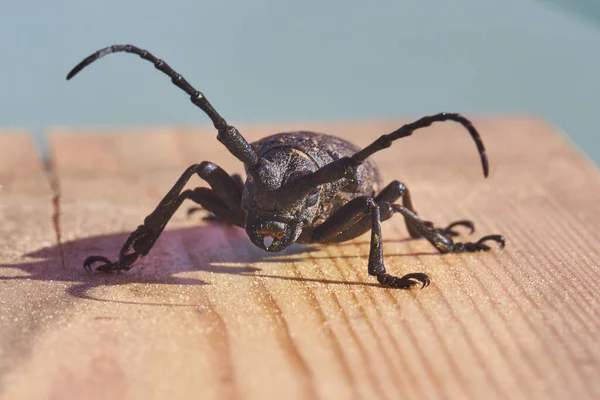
55,202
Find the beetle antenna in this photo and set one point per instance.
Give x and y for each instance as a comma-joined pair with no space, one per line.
228,135
406,130
345,166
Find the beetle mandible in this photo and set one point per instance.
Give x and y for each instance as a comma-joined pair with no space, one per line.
301,187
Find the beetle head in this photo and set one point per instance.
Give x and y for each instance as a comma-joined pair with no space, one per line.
276,208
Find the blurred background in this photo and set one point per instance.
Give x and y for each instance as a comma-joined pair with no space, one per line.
273,61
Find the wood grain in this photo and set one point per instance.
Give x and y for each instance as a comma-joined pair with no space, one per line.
208,315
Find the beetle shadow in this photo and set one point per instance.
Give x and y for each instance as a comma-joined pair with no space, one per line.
64,263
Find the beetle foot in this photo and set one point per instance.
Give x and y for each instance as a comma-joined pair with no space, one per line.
408,281
479,245
449,230
108,266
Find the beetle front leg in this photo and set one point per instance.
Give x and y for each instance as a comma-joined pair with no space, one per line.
345,222
223,199
143,238
376,265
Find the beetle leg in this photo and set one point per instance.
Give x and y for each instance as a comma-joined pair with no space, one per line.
376,266
223,200
388,195
450,231
213,216
344,224
395,190
348,222
347,218
217,210
443,242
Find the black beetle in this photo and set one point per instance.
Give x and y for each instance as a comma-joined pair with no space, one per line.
302,187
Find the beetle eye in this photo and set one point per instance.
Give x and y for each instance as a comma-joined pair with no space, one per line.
312,199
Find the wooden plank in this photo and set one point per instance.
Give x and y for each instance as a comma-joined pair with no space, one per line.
208,315
27,247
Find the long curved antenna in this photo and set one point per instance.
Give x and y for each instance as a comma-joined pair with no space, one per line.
228,135
344,167
386,140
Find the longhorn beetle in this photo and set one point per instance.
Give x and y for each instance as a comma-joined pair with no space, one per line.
302,187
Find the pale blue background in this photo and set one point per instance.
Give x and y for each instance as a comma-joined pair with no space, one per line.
268,60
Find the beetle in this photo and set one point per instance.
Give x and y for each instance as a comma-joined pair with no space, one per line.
301,187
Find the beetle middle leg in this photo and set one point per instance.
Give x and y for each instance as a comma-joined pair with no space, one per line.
223,200
396,190
215,217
